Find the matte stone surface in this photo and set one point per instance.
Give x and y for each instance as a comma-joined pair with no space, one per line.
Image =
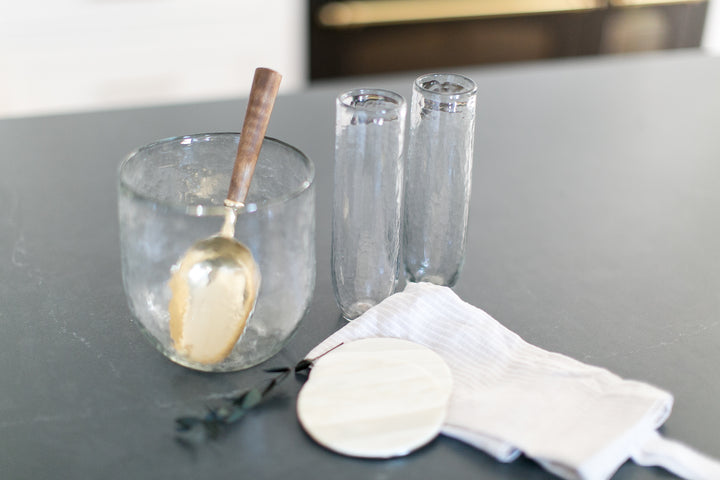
594,232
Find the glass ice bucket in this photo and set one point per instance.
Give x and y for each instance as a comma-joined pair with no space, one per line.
171,195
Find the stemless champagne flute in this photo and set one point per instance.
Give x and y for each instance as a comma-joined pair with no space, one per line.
369,135
438,177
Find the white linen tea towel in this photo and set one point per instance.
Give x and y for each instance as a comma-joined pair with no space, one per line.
510,397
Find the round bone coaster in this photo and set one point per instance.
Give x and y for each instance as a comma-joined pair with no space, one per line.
375,398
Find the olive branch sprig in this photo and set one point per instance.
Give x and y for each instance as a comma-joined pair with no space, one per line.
197,429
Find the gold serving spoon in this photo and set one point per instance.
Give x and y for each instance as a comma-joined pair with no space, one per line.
215,285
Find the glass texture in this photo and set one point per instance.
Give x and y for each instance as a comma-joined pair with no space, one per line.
438,177
369,135
171,195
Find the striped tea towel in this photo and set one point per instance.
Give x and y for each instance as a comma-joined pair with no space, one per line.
511,397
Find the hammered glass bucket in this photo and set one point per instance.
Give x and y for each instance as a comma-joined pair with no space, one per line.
170,195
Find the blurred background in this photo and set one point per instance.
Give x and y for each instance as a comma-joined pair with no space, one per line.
60,56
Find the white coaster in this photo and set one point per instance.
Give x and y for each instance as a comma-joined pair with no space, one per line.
375,398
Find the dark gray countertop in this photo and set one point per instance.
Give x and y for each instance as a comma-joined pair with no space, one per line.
594,231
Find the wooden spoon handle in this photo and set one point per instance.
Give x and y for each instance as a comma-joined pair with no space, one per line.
262,98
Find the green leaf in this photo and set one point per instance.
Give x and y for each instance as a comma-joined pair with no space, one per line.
252,398
278,370
183,424
302,365
236,415
193,430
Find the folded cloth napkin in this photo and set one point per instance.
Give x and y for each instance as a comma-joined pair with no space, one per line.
576,420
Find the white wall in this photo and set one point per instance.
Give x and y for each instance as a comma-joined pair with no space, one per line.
74,55
711,33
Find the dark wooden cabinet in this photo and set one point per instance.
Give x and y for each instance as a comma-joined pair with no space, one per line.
375,36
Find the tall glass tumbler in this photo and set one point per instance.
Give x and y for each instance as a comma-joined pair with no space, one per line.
438,177
369,136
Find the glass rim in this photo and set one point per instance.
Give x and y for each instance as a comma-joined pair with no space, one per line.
468,84
200,210
395,101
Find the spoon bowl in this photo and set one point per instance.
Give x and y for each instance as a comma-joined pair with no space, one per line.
221,277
